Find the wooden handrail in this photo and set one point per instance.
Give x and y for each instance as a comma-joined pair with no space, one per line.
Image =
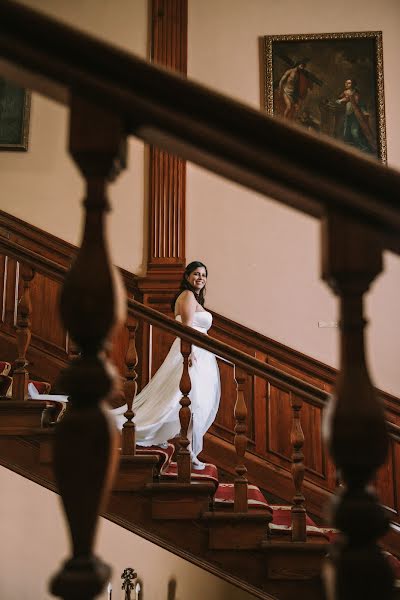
313,174
283,380
241,359
40,263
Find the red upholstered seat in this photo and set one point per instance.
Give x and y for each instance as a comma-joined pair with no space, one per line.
208,474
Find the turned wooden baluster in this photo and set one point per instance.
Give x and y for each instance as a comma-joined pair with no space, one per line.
130,389
355,423
23,335
240,413
299,532
92,302
183,458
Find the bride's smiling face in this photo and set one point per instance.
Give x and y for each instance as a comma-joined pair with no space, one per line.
197,278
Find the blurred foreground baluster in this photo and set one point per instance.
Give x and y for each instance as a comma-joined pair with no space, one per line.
355,424
92,303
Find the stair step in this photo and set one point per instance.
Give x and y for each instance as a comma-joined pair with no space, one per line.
237,531
173,500
208,474
224,497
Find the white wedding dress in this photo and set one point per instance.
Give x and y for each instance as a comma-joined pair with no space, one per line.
157,406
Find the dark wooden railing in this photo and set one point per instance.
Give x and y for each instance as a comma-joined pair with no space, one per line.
355,197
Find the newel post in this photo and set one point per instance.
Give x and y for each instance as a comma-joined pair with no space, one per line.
355,423
92,303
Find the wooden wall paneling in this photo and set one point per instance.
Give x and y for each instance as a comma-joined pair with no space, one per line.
161,343
261,402
224,423
11,293
313,379
46,322
119,346
278,426
385,480
3,286
396,478
313,449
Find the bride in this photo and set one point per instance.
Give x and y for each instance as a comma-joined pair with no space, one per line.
157,406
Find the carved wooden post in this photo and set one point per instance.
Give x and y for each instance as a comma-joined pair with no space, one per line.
183,457
92,302
352,258
130,389
240,412
24,313
299,531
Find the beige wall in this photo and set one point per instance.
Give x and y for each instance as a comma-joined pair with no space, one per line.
273,286
32,523
263,258
43,186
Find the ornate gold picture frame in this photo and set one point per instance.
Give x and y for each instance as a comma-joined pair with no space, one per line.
330,83
15,105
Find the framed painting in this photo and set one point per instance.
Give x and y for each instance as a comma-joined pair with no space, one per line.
329,83
15,105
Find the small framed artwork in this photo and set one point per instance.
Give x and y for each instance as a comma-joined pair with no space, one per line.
15,105
329,83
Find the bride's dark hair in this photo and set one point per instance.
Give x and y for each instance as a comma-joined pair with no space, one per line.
185,285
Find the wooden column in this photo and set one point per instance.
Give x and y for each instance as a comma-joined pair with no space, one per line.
167,173
92,303
24,313
352,258
167,188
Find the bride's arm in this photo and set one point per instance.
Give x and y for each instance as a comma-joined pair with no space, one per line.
187,307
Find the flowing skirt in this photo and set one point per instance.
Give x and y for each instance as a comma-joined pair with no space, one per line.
157,406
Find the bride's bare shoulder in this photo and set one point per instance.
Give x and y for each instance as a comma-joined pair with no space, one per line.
185,298
186,295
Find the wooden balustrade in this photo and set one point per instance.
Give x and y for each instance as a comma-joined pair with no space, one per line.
306,172
299,530
23,335
183,456
352,258
128,435
92,303
240,413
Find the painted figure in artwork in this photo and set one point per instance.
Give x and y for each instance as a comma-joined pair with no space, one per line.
293,88
356,126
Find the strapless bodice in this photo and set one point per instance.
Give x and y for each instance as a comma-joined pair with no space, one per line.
202,320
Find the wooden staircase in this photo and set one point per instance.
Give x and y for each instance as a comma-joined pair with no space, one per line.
356,201
184,518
